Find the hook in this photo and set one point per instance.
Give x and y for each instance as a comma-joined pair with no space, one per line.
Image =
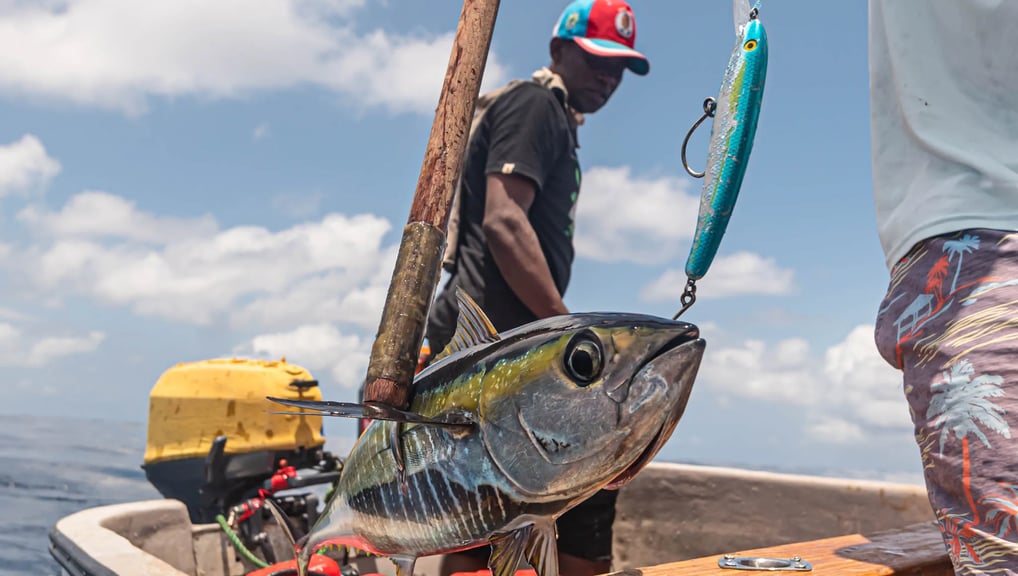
709,107
687,299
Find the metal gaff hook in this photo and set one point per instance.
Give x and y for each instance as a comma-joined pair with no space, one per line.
709,107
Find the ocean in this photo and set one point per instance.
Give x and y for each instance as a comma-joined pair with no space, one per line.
50,468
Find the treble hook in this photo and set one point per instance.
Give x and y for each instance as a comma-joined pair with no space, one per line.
709,107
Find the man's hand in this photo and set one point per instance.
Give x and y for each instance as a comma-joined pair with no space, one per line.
514,245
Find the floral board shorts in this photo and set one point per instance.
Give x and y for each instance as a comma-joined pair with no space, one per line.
950,323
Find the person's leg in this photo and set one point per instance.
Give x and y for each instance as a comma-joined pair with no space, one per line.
585,536
950,323
584,541
472,560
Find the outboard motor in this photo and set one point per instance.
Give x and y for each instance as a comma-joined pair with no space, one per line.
212,443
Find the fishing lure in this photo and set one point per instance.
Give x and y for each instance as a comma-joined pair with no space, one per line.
735,114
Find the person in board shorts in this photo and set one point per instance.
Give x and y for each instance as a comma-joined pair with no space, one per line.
944,122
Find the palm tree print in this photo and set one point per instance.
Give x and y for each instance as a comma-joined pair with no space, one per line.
959,405
1004,513
959,248
960,400
959,534
935,278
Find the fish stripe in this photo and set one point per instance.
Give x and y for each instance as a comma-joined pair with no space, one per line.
441,511
458,517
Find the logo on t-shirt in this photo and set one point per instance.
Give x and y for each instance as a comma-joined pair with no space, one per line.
573,197
572,212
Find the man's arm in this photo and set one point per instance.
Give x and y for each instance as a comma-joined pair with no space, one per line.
514,245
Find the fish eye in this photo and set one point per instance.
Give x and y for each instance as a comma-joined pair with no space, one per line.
583,359
749,46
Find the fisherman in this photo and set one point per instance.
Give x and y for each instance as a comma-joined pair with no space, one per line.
944,114
512,235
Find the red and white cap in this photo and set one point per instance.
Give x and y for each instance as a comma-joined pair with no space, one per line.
603,28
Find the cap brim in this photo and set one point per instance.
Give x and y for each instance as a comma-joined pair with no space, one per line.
636,62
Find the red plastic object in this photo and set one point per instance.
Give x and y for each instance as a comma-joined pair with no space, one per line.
488,573
319,566
281,479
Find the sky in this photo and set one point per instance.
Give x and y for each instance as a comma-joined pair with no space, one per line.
189,180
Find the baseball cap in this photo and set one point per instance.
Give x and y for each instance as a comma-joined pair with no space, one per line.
603,28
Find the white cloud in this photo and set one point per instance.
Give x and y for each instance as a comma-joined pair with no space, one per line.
47,349
625,218
10,338
119,53
334,297
25,167
9,314
733,275
781,372
835,431
849,388
18,349
865,380
316,347
94,214
189,270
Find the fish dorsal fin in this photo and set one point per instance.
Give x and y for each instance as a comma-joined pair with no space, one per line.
472,327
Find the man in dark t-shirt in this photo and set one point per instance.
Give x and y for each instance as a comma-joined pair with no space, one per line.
517,199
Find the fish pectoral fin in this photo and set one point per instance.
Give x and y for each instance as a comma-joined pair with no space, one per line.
508,550
398,453
371,411
302,559
542,550
472,327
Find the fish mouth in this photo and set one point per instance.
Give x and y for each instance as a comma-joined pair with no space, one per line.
680,362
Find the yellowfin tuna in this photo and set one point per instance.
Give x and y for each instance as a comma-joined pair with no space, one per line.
505,433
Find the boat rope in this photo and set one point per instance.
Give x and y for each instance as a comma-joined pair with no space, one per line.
232,536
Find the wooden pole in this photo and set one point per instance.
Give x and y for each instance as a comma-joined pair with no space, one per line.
415,276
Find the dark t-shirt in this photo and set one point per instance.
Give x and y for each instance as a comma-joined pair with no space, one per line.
527,131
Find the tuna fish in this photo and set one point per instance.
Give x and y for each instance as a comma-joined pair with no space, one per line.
505,433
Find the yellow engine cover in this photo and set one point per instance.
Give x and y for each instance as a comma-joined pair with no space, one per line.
194,402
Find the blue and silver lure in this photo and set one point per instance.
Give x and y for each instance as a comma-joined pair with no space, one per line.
735,114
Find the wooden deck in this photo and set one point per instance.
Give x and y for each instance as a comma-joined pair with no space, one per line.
915,550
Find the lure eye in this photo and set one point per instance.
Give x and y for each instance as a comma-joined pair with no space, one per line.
749,46
584,359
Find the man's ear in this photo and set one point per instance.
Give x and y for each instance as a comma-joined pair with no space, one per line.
555,48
